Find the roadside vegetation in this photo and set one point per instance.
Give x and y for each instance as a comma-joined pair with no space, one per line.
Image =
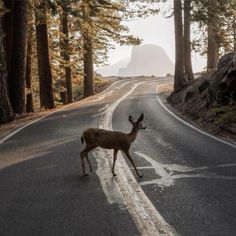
49,48
209,99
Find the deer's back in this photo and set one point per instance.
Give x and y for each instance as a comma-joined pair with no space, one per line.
107,139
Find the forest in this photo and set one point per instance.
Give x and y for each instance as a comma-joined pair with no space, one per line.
48,48
82,153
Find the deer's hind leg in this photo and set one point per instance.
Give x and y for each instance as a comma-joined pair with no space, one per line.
83,154
89,163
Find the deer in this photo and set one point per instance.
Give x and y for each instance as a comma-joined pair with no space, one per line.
118,141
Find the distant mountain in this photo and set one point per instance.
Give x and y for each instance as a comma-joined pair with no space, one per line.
148,60
112,70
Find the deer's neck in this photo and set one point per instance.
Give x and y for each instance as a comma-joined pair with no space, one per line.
133,134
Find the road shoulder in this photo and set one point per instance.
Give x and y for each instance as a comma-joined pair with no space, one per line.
26,119
164,92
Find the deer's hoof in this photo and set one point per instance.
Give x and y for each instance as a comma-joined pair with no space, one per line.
91,170
140,176
114,175
85,174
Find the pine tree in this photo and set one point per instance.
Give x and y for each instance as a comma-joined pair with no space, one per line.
44,66
234,32
187,40
100,24
65,50
28,82
8,30
179,79
18,60
86,33
6,112
212,45
215,37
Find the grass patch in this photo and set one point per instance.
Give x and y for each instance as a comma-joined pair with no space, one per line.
225,115
221,109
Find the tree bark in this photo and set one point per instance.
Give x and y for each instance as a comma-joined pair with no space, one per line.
234,33
87,52
6,112
187,40
212,47
88,67
29,96
44,66
65,53
179,80
8,30
29,102
29,61
18,59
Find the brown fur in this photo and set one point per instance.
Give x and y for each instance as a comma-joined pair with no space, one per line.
111,140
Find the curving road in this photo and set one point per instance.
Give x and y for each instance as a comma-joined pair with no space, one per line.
188,188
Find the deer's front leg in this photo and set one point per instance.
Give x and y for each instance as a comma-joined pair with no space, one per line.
132,162
114,161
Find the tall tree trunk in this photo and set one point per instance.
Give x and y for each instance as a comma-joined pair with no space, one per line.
88,67
18,65
212,47
8,30
87,51
66,54
29,61
44,66
234,32
179,80
29,97
6,112
187,40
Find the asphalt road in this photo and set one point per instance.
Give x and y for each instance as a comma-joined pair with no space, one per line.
189,177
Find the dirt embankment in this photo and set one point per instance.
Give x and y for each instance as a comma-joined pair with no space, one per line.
210,100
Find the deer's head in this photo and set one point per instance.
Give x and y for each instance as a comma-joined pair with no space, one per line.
137,125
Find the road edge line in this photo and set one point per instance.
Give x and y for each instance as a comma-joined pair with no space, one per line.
83,101
188,124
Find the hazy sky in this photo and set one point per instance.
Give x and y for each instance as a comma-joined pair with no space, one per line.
156,30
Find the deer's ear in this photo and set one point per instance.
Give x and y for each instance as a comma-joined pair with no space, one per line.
131,119
141,118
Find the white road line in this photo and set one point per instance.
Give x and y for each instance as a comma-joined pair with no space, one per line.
188,124
146,217
96,115
82,102
122,85
24,126
165,177
168,173
103,108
